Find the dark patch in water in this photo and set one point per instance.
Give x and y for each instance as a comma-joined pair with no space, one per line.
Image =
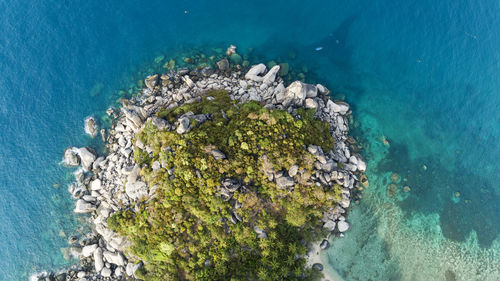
433,188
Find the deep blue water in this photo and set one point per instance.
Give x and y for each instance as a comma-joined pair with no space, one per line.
424,74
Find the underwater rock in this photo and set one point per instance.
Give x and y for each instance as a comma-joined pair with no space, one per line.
223,65
231,50
91,127
236,59
284,68
151,81
392,189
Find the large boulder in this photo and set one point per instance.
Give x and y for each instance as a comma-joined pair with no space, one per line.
114,258
343,226
255,71
296,93
71,157
91,127
88,250
330,225
86,157
271,75
136,190
183,126
284,182
337,108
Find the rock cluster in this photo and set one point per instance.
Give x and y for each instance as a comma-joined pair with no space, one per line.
106,184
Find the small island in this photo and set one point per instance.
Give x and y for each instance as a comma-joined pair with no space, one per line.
217,173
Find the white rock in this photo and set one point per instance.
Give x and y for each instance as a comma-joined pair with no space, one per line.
343,226
132,268
106,272
293,170
255,71
95,184
98,262
82,207
89,250
271,75
114,258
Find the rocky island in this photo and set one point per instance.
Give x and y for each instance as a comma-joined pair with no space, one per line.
214,174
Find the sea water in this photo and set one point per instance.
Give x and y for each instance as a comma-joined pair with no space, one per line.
422,78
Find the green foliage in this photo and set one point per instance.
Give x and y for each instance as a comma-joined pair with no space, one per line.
186,233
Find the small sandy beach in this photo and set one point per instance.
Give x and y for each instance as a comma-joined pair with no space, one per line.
317,255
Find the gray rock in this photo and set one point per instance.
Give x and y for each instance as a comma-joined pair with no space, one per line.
293,170
91,127
340,108
183,126
271,75
342,226
82,206
330,225
296,93
71,157
161,124
98,261
88,250
114,258
255,71
223,65
217,154
151,81
284,182
136,190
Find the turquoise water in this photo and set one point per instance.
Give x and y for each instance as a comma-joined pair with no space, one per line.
421,74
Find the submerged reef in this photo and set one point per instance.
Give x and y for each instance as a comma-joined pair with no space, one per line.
214,174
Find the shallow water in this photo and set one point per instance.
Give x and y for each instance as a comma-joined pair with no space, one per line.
422,74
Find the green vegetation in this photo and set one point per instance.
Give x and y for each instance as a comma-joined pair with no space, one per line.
186,232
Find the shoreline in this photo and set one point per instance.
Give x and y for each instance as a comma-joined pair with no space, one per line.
100,180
